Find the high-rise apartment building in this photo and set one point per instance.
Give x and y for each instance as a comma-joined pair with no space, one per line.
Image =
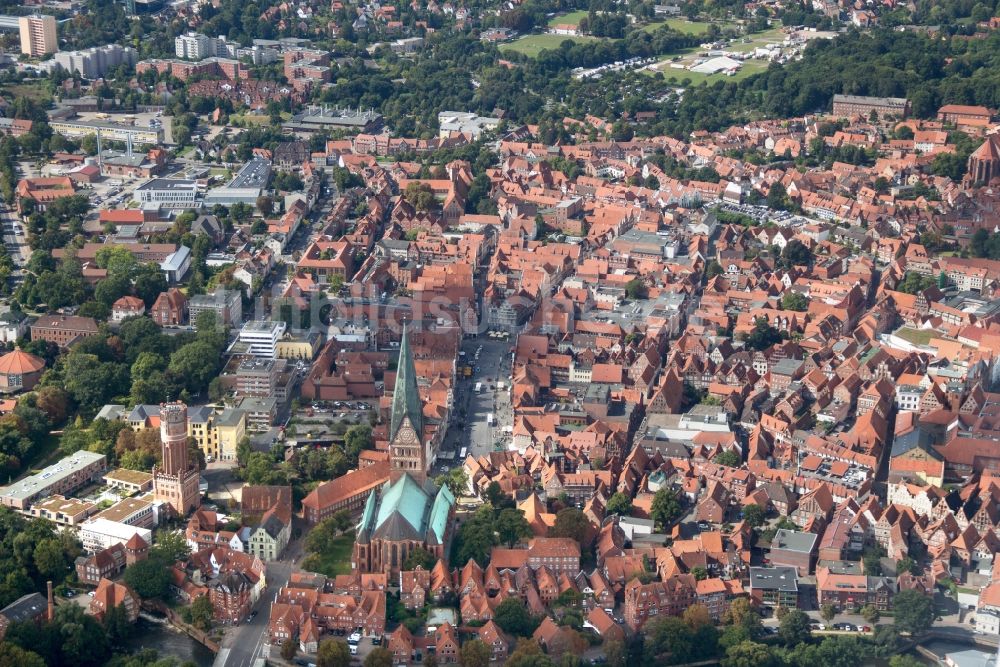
38,35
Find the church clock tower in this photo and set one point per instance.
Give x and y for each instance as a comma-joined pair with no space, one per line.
407,449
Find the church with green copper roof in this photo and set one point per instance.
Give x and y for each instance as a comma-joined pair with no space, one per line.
409,511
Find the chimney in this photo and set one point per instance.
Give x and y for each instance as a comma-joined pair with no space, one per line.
52,605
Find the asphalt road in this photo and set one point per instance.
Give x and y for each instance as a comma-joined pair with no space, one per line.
494,365
244,643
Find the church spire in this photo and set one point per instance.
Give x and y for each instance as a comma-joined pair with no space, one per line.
406,396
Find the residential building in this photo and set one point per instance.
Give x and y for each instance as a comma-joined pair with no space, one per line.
111,594
170,308
775,586
794,549
63,330
226,304
127,306
217,433
62,477
95,62
63,511
38,35
853,591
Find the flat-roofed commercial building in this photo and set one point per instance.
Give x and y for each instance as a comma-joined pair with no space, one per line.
77,129
169,192
100,533
63,511
133,512
61,477
134,481
261,337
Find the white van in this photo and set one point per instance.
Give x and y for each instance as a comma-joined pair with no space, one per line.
479,387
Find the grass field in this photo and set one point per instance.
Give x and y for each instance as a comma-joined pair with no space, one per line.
681,25
569,18
749,68
915,336
532,45
35,91
335,561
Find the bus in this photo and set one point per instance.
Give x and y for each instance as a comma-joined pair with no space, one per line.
464,453
489,419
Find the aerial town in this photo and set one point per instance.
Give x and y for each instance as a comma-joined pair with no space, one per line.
530,333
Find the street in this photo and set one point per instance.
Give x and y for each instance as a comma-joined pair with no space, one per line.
471,428
242,645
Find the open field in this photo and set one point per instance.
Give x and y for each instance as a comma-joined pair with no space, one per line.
569,18
532,45
681,25
759,39
749,68
687,57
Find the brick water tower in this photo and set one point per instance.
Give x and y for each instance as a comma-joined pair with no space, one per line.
175,481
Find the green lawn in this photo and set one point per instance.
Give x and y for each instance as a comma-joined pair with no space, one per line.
681,25
532,45
336,561
915,336
749,68
569,18
772,36
35,91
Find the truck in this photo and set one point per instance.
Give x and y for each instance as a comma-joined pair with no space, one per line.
490,420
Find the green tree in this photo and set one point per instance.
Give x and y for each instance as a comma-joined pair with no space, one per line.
795,301
620,504
419,557
763,335
914,612
333,653
636,289
666,507
907,564
728,458
777,198
512,526
754,515
794,628
750,654
379,657
475,653
870,613
12,655
202,613
572,523
290,648
513,617
457,481
149,578
827,612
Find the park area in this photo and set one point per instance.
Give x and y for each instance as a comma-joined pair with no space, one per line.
334,556
569,18
532,45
